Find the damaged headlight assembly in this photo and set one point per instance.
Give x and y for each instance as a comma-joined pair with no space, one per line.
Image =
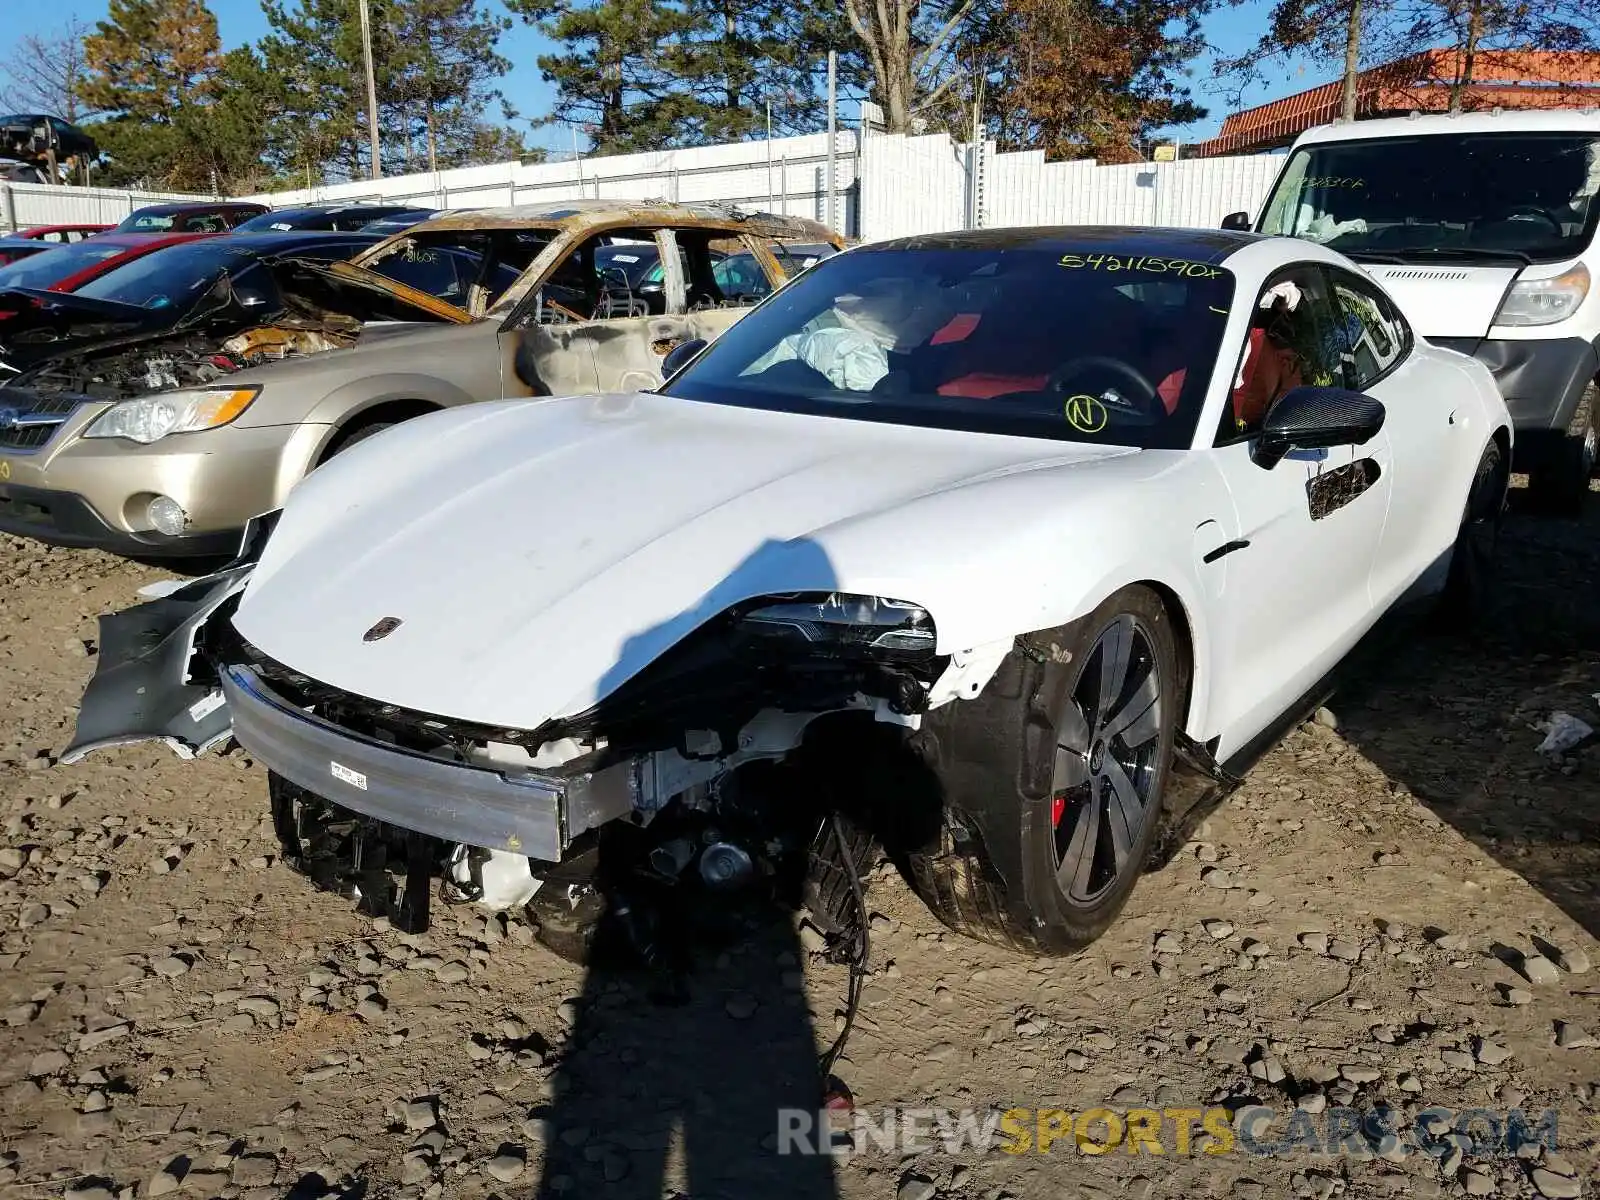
148,419
841,624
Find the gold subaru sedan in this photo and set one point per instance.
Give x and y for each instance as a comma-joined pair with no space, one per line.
162,445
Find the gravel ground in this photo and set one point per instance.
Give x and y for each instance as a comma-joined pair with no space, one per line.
1400,907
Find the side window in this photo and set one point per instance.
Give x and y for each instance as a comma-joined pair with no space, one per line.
1375,337
1293,339
572,291
741,279
702,289
439,271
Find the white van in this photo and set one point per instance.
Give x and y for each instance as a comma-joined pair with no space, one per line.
1482,226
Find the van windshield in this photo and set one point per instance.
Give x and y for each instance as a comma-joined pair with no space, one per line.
1527,197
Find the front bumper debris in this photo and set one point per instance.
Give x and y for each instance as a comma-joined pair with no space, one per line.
527,812
144,686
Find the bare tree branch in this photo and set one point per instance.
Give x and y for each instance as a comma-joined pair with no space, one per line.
940,38
44,72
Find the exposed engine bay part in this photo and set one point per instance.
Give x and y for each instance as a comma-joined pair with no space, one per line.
185,361
275,342
106,350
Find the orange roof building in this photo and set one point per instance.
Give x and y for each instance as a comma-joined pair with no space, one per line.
1419,83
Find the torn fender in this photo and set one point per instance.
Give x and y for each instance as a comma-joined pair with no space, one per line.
147,685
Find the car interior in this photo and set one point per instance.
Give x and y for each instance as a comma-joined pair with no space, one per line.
1132,346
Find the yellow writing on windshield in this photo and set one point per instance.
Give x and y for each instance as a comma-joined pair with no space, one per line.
1156,266
1086,414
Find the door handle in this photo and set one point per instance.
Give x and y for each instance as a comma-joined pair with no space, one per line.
1225,549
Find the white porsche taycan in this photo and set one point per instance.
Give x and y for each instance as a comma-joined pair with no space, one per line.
1014,545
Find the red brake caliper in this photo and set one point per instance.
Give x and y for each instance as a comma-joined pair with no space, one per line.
1057,807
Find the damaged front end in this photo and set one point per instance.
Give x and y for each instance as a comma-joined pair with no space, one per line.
717,768
66,345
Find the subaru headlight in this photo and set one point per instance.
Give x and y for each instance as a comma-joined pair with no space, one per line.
837,623
1544,301
151,418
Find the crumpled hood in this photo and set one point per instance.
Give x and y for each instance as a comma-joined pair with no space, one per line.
37,324
539,553
1446,299
341,287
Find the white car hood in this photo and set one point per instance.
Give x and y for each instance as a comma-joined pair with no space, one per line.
539,553
1446,300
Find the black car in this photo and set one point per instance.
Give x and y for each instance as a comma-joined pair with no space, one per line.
632,277
345,217
161,321
31,137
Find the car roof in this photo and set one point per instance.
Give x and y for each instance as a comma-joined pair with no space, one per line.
579,215
1566,120
319,210
1195,245
204,206
280,241
36,230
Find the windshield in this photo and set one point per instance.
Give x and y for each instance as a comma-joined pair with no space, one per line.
279,221
1516,195
51,267
1080,345
636,262
164,278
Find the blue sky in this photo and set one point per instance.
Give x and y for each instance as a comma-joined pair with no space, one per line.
1231,30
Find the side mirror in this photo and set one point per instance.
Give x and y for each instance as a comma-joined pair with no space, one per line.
1312,418
1239,221
678,357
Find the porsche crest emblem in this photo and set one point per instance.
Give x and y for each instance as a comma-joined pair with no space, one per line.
381,630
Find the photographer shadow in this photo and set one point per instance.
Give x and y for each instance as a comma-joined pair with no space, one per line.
682,1061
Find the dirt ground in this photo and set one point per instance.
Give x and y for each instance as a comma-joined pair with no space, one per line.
1399,908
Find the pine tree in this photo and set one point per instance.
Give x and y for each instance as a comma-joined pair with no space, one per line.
316,85
617,78
1095,78
442,80
156,68
746,56
435,63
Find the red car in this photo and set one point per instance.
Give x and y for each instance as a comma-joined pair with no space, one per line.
61,234
67,268
204,217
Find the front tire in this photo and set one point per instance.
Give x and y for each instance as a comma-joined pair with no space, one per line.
1558,486
1052,780
1468,590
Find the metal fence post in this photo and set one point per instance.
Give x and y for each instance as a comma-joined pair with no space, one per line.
11,207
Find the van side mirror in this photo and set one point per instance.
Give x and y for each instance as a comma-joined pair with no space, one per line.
1238,221
1314,418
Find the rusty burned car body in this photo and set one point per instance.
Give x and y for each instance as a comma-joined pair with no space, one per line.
524,313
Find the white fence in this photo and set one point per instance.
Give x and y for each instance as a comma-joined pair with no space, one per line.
788,175
26,204
884,186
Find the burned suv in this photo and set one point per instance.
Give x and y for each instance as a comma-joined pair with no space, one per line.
172,452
